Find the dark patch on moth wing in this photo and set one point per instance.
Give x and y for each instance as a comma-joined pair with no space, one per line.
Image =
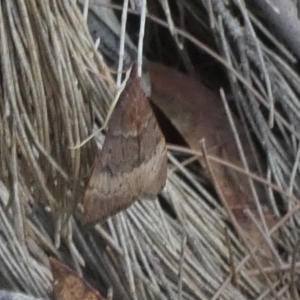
107,169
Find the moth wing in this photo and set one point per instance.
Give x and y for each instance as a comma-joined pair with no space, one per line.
153,169
133,160
112,186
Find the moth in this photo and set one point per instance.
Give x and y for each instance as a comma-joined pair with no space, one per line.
133,161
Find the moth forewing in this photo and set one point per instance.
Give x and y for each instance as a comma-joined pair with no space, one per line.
133,160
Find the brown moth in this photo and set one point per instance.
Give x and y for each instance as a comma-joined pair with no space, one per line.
133,161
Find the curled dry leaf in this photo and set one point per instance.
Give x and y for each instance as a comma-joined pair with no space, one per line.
198,113
67,285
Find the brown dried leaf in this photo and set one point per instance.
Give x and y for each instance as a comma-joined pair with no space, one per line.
198,113
67,285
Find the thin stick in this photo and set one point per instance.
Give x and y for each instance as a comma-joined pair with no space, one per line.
18,218
181,262
122,41
231,259
141,36
86,10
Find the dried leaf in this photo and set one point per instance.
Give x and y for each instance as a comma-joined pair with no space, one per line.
67,285
198,113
